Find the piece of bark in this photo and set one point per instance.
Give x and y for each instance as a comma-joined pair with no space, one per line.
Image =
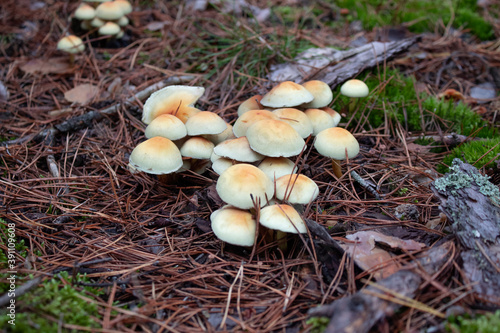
333,66
472,204
360,311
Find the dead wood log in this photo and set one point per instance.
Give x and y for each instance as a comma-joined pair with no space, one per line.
334,66
472,203
360,311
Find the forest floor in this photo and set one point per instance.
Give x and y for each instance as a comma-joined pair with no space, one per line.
107,250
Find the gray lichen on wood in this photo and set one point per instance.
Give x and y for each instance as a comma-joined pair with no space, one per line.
471,203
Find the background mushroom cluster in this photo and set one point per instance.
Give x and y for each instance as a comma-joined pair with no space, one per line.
108,17
251,157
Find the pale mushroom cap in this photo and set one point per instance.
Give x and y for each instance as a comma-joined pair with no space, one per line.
221,164
321,91
227,134
320,120
249,118
286,94
275,167
234,226
274,138
125,6
354,88
334,114
123,21
333,143
239,182
84,12
297,119
253,103
282,217
166,125
157,156
177,100
237,149
205,122
297,189
71,44
97,22
197,147
109,11
109,29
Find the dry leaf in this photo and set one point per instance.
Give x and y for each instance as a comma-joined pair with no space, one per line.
82,93
368,256
47,66
413,147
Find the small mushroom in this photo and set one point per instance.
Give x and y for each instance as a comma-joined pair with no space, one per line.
158,155
274,138
241,184
286,94
71,44
338,144
234,226
354,88
296,189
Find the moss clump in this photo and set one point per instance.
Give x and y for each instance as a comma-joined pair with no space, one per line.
398,100
488,323
318,324
55,301
424,15
474,152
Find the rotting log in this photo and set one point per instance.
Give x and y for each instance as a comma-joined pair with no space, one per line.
334,66
472,204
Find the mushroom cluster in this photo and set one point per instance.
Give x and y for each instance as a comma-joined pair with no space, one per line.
252,157
185,135
245,187
108,17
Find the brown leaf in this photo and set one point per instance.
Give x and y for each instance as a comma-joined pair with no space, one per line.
47,66
83,93
367,256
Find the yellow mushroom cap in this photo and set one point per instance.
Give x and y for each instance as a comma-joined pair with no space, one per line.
234,226
297,119
354,88
167,126
320,120
282,217
238,183
274,138
157,156
237,149
321,91
109,29
249,118
109,11
84,12
334,114
205,122
177,100
334,142
296,188
253,103
125,6
197,147
71,44
286,94
275,167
